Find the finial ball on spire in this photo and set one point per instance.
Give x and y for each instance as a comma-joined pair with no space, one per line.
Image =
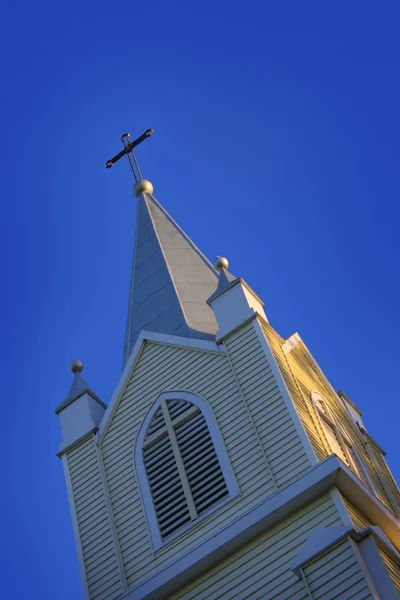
77,366
221,263
142,186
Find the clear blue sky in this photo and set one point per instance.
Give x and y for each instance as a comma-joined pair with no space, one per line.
276,144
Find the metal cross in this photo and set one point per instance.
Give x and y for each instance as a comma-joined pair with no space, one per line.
128,150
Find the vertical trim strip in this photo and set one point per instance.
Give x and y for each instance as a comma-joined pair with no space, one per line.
111,519
341,507
365,570
250,416
179,462
304,578
75,527
286,395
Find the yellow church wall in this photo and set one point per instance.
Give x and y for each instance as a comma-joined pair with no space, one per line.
302,377
261,569
242,404
302,406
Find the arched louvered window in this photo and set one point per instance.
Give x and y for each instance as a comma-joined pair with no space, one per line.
338,441
182,464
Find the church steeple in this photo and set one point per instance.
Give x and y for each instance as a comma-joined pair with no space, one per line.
171,279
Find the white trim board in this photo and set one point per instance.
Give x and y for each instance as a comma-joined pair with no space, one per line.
160,338
320,479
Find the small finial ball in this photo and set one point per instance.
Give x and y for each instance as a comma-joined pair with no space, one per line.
143,186
77,366
221,263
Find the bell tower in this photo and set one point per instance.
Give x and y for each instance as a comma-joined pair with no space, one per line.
225,465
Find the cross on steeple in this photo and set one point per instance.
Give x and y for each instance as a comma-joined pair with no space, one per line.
128,151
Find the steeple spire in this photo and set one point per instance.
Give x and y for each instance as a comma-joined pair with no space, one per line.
171,278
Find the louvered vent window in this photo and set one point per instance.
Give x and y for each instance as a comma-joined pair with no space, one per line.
339,443
182,467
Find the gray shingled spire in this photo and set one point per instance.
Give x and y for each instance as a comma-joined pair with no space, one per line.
171,278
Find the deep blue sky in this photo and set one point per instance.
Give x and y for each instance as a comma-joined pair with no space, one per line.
276,144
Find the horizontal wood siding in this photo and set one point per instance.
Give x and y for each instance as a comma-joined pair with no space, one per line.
359,520
301,404
307,379
98,548
337,574
392,565
164,368
275,427
261,569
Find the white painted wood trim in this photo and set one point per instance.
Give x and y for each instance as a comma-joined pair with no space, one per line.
285,394
220,449
111,520
341,508
304,579
376,569
320,479
160,338
75,527
291,343
365,570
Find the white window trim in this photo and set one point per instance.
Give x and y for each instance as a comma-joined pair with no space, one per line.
147,500
344,441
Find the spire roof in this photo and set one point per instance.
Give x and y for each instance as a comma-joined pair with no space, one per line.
171,278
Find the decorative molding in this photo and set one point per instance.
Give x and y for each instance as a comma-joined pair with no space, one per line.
318,480
87,391
236,328
290,343
83,437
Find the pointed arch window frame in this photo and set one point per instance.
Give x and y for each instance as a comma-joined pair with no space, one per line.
143,484
351,455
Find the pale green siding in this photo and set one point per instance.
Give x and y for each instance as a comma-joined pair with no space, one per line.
337,575
280,441
164,368
261,569
97,542
304,410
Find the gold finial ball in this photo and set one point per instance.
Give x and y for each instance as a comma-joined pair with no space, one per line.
142,186
77,366
221,263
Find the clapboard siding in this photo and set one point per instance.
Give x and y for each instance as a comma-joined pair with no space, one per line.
301,404
275,427
162,368
302,377
337,573
261,569
359,520
98,549
392,565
